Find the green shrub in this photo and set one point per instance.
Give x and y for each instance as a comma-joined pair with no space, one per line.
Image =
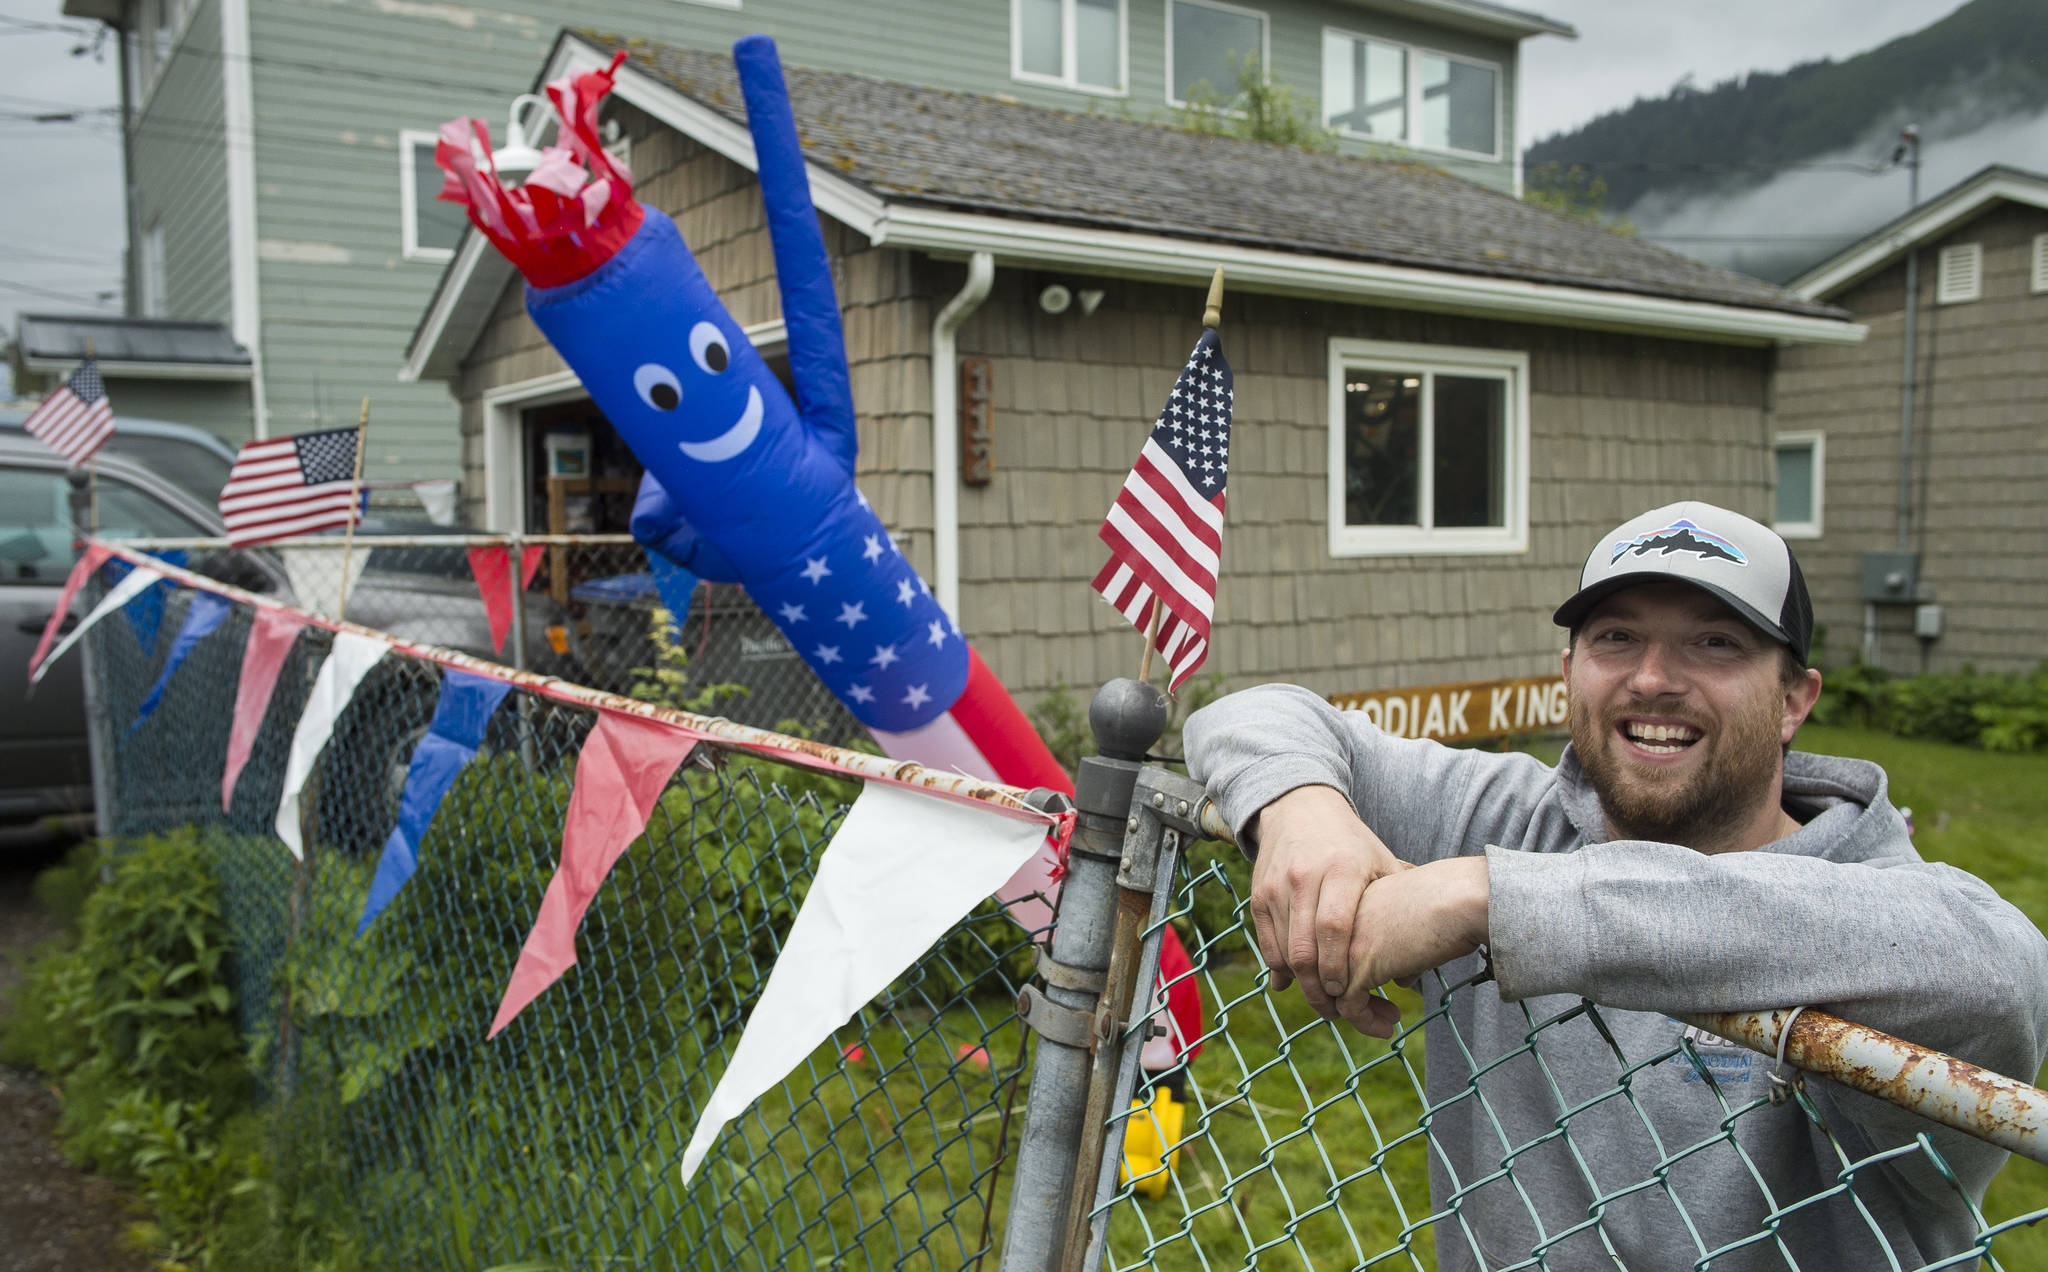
1967,708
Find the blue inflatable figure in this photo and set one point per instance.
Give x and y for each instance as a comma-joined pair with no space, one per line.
742,485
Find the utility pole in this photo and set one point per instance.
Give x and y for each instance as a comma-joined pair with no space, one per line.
1908,153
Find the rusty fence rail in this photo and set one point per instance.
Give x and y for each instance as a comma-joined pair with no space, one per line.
940,1129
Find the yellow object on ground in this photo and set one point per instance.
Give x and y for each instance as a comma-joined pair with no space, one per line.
1152,1128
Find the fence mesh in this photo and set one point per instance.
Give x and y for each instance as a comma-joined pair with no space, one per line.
560,1139
1289,1142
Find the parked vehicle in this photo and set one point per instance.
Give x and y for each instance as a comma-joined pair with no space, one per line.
160,480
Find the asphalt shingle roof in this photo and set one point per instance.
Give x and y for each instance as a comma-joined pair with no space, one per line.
912,145
116,340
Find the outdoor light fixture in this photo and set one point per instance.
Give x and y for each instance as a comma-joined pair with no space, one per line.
519,156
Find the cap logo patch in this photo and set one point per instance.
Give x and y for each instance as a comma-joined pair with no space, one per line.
1679,536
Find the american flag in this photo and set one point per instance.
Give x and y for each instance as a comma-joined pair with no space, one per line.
284,486
75,419
1165,530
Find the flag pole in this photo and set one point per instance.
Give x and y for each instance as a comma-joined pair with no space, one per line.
92,474
1212,318
355,494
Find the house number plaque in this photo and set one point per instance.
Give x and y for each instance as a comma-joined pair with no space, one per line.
977,422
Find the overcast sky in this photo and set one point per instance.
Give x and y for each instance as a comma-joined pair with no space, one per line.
61,224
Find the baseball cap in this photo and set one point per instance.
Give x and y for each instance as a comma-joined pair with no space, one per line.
1724,553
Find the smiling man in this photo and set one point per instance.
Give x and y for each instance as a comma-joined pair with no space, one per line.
1679,858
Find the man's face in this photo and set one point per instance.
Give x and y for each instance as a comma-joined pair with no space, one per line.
1679,715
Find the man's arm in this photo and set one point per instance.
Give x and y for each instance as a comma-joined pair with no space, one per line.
1293,775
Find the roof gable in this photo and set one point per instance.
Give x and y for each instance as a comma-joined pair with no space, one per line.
1959,203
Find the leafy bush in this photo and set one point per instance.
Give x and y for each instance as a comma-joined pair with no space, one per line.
1968,708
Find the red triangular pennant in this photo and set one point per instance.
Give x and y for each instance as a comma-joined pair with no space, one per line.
493,568
270,639
624,766
94,554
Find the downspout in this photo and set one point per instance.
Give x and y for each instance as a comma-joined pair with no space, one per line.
981,272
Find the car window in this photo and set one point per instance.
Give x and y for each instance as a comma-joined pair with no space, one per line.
127,513
192,468
35,527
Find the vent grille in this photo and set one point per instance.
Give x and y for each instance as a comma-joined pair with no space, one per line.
1961,275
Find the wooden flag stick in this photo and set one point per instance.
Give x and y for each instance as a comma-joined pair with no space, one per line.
1212,317
92,474
355,494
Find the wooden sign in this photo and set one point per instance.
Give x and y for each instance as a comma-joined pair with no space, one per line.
977,422
1462,711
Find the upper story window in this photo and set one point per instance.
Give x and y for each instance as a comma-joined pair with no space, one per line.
1207,45
429,228
158,25
1428,449
1410,96
1076,44
2040,263
1801,459
1960,274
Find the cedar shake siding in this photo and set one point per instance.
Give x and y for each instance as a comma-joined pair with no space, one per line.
1980,491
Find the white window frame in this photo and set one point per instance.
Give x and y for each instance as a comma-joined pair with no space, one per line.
409,200
1817,442
1070,56
1265,43
1412,55
1951,285
1508,365
2040,264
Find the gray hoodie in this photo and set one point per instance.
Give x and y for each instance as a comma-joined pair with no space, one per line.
1843,914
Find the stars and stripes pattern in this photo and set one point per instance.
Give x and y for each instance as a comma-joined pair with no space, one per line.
283,486
77,418
1165,530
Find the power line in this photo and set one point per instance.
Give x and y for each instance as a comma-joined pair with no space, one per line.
103,299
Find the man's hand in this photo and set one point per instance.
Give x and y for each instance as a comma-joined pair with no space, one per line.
1408,923
1316,861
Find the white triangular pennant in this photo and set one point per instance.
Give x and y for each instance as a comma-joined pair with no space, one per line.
132,585
901,871
350,660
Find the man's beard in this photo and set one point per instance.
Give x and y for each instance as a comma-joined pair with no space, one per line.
1701,810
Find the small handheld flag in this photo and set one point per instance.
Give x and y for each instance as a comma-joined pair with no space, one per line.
1165,530
77,418
282,486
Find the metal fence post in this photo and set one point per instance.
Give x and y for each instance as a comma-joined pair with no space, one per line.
98,737
1127,717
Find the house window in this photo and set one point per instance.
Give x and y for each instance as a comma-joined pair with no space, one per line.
1428,449
151,300
1959,274
1206,47
1392,92
2040,263
1802,457
1076,44
430,228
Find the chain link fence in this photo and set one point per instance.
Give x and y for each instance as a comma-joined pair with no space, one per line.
1287,1143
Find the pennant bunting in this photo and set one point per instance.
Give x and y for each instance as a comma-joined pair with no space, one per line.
466,705
675,586
135,584
493,570
146,615
346,665
87,562
620,773
270,639
437,499
902,869
201,619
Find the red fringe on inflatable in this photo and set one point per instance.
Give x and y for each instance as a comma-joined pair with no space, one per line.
563,221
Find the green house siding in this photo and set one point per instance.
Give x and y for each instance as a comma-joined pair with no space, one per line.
178,157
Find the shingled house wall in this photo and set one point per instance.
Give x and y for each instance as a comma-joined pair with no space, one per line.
1980,501
1618,423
